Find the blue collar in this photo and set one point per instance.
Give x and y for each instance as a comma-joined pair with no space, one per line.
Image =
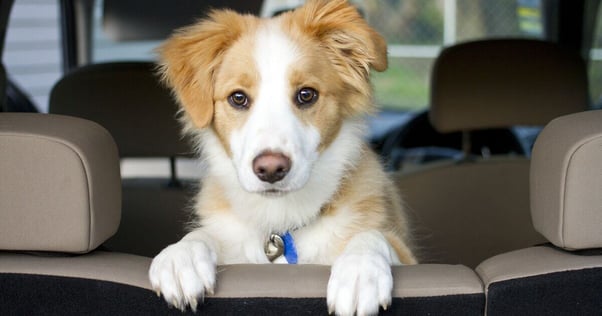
290,251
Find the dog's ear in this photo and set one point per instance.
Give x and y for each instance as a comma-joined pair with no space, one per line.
341,28
190,57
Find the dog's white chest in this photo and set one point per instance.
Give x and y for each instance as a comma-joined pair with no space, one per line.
323,240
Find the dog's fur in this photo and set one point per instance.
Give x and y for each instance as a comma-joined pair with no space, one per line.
335,200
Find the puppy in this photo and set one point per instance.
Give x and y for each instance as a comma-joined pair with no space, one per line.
276,106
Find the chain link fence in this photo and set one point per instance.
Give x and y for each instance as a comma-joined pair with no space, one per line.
417,30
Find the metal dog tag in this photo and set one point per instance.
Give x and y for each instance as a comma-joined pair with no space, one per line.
274,247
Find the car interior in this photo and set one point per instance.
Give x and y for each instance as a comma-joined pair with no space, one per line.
153,204
500,169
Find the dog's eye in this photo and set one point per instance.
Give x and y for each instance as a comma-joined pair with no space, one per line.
306,97
239,100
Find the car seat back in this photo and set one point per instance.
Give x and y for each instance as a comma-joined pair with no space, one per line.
466,210
60,199
58,171
565,276
505,82
129,101
59,175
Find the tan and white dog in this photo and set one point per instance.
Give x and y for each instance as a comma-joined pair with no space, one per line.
276,106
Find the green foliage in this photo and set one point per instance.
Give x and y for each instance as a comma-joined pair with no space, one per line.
595,77
404,86
429,22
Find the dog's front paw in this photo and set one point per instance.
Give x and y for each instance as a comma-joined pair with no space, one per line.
359,283
184,272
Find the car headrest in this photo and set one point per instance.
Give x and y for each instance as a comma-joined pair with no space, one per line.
505,82
566,181
128,100
154,20
61,188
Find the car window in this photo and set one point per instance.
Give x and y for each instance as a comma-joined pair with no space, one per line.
595,63
417,30
32,51
105,49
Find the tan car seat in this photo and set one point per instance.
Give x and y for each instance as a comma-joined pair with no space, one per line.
565,276
468,210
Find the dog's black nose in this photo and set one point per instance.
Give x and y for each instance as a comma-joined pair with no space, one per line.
271,167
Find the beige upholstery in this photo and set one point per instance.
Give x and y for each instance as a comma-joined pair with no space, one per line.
533,261
249,280
97,265
467,212
60,188
128,100
566,181
566,178
501,83
311,280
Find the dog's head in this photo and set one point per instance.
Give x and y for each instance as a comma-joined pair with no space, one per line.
275,92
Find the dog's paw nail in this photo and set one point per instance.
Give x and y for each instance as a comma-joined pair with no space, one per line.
333,311
193,304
